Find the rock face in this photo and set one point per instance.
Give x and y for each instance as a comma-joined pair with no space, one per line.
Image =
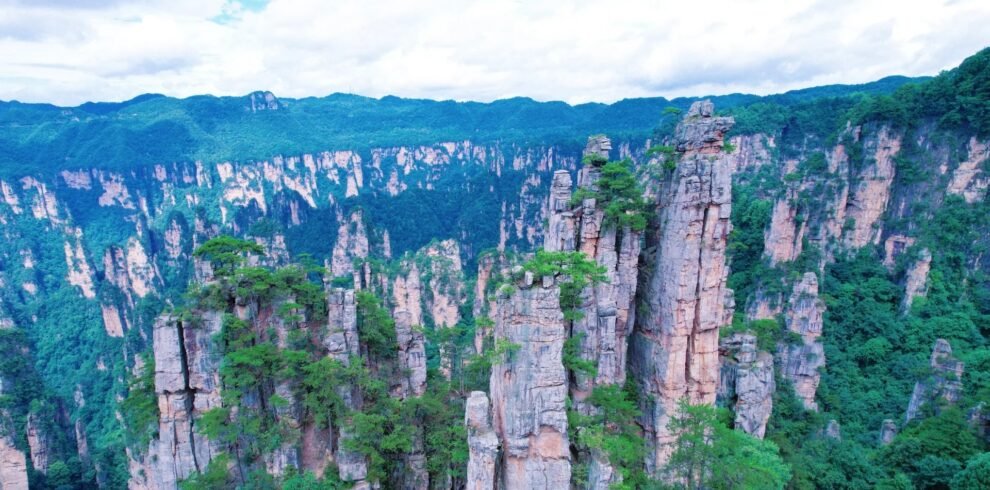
187,384
746,383
38,443
352,243
407,293
482,443
969,180
799,363
13,466
888,431
945,381
785,236
342,344
674,352
529,389
916,279
607,308
868,199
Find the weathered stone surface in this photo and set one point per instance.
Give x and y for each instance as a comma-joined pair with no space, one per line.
561,228
38,443
799,363
888,431
352,243
13,466
894,246
916,279
342,344
969,179
870,195
833,430
482,443
187,384
407,293
529,390
945,381
601,474
446,283
674,352
784,238
746,383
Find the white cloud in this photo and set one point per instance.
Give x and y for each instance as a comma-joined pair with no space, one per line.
68,52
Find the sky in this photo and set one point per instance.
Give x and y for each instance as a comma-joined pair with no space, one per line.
71,51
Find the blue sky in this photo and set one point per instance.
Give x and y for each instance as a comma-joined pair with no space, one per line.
71,51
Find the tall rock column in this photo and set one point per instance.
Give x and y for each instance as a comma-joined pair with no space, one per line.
187,384
800,362
529,389
482,443
342,344
746,383
674,354
945,381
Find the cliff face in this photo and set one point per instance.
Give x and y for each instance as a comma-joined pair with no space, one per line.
606,313
529,388
944,382
482,443
674,350
800,362
746,383
186,384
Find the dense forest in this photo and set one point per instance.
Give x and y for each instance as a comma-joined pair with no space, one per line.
311,293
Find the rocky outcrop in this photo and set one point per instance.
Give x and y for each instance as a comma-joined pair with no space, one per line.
916,279
352,243
607,312
13,466
482,443
746,383
969,179
187,384
944,383
529,389
561,229
342,344
446,283
800,362
784,239
407,293
833,430
869,197
888,431
674,352
38,443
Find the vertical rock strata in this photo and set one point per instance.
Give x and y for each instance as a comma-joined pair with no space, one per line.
342,344
945,381
607,308
746,383
799,362
482,443
674,354
529,389
187,384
